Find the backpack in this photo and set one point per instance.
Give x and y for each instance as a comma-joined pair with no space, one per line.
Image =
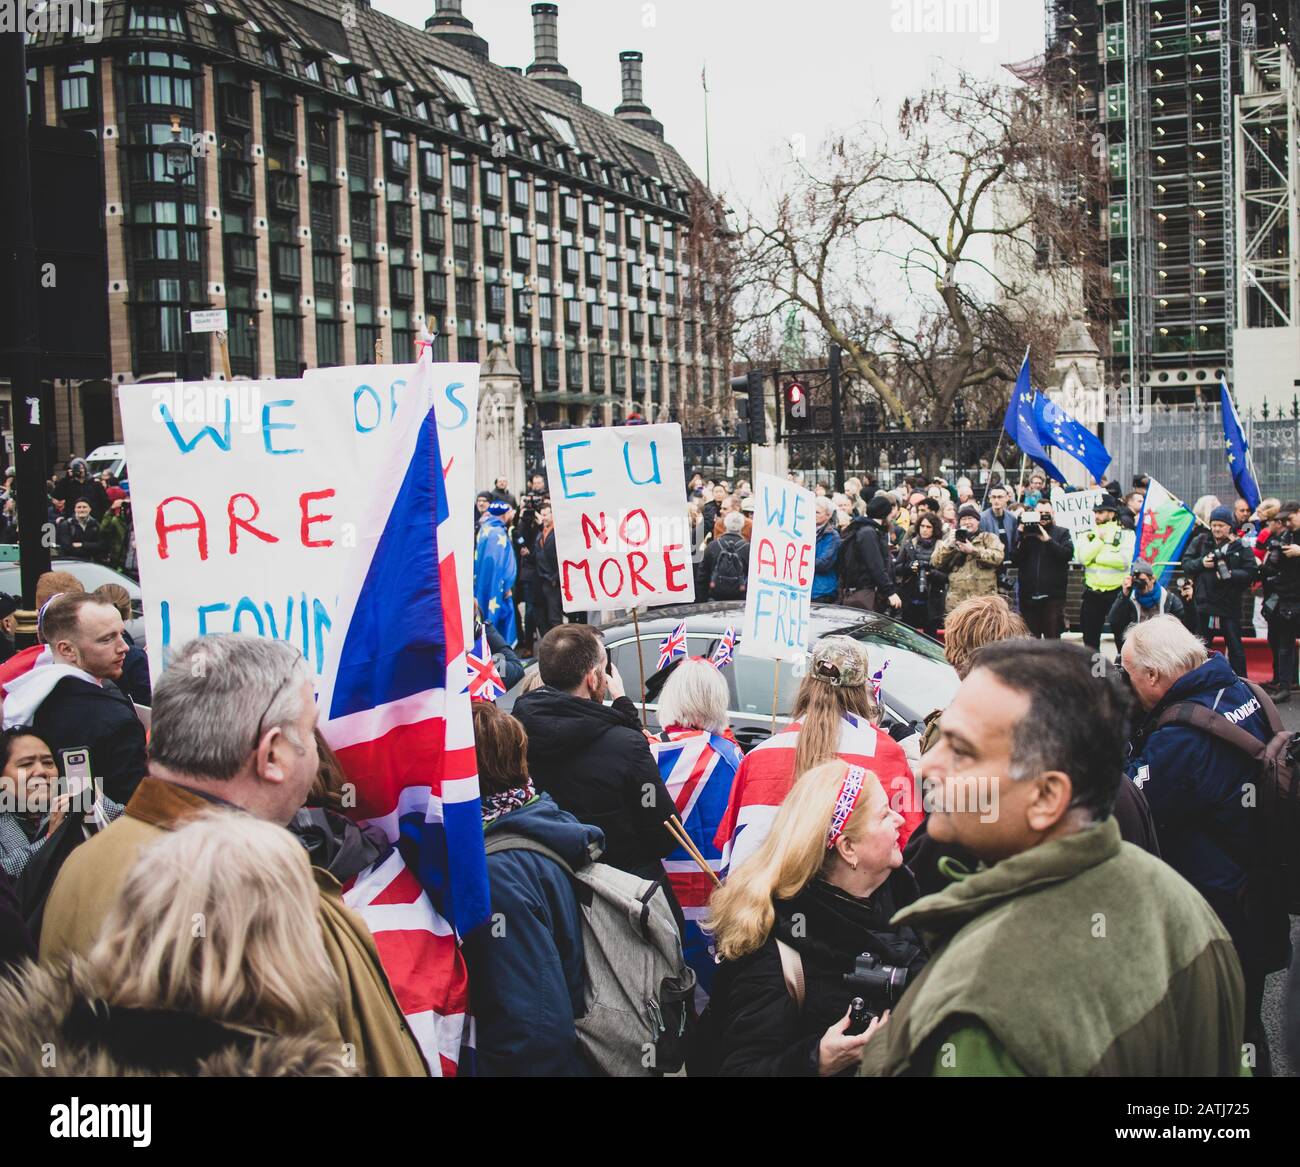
640,995
729,576
1273,862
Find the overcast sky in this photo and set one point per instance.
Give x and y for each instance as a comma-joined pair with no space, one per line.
775,70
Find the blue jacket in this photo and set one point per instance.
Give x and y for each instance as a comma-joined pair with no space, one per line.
1008,530
826,579
1194,782
526,963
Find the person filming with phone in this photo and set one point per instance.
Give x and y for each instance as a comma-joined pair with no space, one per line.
970,557
1043,553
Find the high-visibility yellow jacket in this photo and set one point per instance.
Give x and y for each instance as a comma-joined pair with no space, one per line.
1106,553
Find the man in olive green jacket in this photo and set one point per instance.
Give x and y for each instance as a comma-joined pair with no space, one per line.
1069,952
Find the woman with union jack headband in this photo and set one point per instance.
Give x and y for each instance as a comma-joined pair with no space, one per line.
809,962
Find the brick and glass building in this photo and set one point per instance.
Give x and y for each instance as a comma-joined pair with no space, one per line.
356,180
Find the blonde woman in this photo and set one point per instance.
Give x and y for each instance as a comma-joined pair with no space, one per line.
790,924
835,716
210,964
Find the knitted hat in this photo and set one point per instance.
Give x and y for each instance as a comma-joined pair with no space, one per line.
969,511
1222,515
840,661
879,508
498,507
1141,568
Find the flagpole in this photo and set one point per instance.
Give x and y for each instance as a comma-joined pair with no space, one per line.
640,661
708,168
1024,364
997,450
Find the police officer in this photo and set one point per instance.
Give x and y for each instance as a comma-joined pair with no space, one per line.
1106,553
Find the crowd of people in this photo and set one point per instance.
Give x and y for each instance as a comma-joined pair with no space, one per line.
1059,872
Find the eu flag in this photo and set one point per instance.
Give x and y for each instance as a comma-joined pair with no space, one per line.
1021,426
1234,442
1057,428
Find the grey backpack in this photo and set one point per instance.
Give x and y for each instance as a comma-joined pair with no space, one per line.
640,990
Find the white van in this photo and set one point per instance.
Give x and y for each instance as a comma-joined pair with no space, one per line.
110,458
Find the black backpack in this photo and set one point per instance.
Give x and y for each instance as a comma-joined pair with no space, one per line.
1273,861
729,577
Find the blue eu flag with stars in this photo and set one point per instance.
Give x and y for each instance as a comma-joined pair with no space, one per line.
1020,425
1234,442
1057,428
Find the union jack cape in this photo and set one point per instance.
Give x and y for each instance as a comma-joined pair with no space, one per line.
767,774
698,769
395,708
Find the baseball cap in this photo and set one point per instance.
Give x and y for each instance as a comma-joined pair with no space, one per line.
840,661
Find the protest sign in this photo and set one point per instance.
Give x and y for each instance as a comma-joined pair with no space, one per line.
377,392
782,561
248,497
1072,509
619,499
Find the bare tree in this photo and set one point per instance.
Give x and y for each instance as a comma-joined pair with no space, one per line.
964,218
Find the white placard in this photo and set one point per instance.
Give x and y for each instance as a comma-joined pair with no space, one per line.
209,320
619,499
1072,509
782,562
248,496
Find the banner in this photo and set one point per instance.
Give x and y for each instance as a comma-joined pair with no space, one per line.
782,561
619,500
1073,508
248,496
1163,529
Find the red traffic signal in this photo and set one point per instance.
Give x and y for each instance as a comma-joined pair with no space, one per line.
796,404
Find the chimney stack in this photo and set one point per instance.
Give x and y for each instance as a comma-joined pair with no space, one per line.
546,66
450,24
633,108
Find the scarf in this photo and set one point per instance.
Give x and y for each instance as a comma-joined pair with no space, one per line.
1149,599
496,805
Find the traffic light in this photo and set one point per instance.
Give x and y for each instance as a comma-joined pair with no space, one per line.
796,406
750,408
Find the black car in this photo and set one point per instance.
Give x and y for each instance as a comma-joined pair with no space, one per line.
917,680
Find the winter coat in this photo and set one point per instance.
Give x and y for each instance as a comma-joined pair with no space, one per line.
15,940
913,555
1196,785
526,969
1106,552
368,1016
709,562
1116,1007
1215,596
746,532
91,1039
865,561
112,540
1282,575
69,532
595,762
1007,529
1044,567
1126,611
71,710
756,1027
969,574
826,579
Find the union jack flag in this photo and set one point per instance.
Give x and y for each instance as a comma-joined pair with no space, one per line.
485,683
673,645
698,768
877,680
725,652
403,734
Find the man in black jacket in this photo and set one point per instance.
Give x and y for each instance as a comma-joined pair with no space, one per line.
724,566
866,565
73,702
1223,568
78,536
548,604
593,758
1142,597
1281,572
1043,553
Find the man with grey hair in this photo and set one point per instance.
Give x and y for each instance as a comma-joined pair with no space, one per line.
234,720
1200,789
724,567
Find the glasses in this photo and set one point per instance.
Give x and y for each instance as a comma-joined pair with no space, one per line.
257,737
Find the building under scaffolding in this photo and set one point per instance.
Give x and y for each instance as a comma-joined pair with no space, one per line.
1185,99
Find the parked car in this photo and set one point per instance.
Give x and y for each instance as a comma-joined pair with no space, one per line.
92,575
916,680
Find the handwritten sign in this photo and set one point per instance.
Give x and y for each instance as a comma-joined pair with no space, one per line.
248,496
1072,509
782,561
619,498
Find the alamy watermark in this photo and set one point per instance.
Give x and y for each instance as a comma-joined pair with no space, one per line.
83,18
977,17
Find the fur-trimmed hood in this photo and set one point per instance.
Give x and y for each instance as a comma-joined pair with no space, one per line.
42,1036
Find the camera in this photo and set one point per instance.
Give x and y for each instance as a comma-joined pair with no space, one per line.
922,579
880,986
1221,568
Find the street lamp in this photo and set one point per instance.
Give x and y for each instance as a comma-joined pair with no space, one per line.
179,159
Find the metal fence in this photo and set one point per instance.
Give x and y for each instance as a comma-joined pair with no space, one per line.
1182,448
886,457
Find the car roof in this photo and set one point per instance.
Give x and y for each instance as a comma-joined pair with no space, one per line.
715,616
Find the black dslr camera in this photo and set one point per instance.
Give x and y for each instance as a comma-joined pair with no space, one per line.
1221,568
880,985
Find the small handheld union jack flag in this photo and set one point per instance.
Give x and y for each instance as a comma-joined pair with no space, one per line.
485,682
673,645
877,679
724,653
